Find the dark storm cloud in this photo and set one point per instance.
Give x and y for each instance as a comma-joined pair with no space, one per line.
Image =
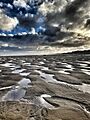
42,24
72,8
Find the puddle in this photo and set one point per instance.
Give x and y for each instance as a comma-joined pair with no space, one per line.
49,78
27,64
24,74
86,71
10,65
24,82
4,88
60,71
10,61
16,67
45,68
86,110
6,64
17,92
42,63
14,95
67,65
63,71
18,70
83,64
43,102
23,61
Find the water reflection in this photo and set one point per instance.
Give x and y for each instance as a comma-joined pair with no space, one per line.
24,83
49,78
17,92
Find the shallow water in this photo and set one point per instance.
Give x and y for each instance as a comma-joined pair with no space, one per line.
17,92
14,95
24,82
49,78
43,102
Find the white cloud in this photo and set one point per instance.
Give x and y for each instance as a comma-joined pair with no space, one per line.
7,23
21,3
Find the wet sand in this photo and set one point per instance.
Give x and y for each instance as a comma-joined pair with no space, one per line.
59,87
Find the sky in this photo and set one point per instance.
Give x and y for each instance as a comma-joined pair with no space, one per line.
42,24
